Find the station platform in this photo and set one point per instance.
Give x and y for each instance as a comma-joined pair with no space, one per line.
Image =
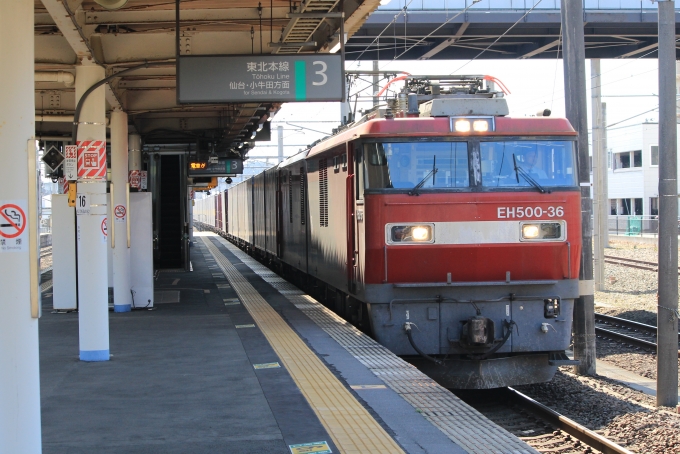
234,359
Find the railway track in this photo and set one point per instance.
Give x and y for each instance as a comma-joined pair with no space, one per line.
44,254
627,331
633,263
539,426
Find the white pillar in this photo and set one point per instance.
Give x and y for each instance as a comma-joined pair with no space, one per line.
92,229
191,216
135,152
19,366
122,298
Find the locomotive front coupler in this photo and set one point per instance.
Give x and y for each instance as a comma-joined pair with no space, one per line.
476,334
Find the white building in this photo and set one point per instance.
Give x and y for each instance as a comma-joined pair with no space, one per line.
633,169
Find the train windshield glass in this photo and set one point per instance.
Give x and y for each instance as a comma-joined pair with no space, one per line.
406,165
516,163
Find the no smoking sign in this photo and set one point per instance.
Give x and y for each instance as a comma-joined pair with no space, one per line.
119,213
13,233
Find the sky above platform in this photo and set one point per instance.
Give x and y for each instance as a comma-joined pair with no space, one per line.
629,89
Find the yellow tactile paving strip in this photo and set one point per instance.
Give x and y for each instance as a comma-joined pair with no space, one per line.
461,423
352,428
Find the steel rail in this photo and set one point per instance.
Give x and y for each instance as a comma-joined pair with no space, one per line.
630,325
624,337
569,426
633,263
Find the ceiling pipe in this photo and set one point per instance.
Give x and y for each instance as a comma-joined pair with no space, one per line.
111,4
64,77
61,119
55,118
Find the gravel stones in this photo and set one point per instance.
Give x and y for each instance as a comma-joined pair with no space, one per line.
626,416
630,293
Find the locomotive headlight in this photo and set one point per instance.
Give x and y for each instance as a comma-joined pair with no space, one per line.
480,125
416,233
472,124
421,233
530,231
462,126
542,231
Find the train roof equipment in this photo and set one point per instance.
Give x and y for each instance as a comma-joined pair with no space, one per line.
443,96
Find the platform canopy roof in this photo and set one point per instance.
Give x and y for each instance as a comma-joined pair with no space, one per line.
503,29
120,34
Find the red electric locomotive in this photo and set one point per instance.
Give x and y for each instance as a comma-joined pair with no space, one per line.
447,228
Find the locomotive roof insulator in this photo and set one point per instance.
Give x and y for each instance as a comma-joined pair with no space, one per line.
450,96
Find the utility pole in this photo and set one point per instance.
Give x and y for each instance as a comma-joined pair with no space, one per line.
604,228
667,319
376,81
575,95
279,133
599,190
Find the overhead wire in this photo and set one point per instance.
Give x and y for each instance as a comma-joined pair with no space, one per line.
433,31
634,116
531,106
402,11
633,60
557,60
499,38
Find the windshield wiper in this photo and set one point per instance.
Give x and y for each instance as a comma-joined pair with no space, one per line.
432,172
520,171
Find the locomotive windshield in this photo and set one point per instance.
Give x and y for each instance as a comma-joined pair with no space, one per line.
516,163
407,164
450,165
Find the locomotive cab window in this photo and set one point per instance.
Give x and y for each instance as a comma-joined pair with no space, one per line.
526,163
407,165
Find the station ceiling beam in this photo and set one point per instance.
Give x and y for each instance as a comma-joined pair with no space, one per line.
446,43
73,32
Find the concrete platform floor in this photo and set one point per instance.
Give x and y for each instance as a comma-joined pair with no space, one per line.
180,380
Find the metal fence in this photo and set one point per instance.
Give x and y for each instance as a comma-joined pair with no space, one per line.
634,225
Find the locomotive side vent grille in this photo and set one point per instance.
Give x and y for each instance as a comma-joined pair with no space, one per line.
303,202
323,193
290,197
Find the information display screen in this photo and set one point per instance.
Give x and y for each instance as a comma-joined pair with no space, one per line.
223,167
260,78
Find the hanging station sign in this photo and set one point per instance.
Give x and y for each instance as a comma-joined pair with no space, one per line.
260,78
221,168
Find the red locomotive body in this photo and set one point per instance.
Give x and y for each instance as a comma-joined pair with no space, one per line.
452,233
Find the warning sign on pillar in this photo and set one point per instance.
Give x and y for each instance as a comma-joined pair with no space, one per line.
63,185
13,233
71,162
143,179
105,230
119,213
92,160
135,179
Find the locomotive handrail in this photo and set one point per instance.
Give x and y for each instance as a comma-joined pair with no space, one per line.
470,284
